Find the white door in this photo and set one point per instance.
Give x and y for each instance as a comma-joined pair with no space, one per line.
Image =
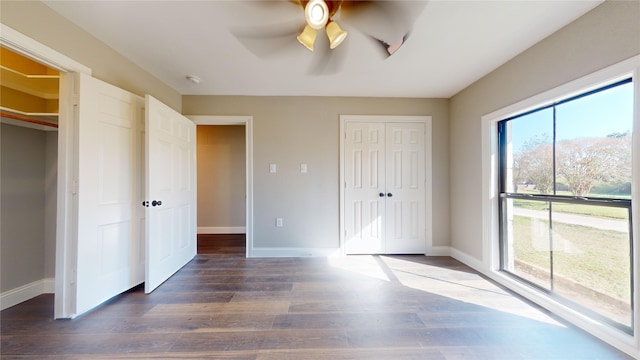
171,192
405,189
384,188
364,159
109,257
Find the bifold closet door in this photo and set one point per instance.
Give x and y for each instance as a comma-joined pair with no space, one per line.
405,189
384,188
171,192
109,258
364,161
124,239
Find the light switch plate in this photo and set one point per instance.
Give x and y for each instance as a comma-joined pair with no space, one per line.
303,168
273,168
279,222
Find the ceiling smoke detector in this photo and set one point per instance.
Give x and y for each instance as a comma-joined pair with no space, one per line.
193,79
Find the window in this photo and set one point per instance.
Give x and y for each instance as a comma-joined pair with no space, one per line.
565,179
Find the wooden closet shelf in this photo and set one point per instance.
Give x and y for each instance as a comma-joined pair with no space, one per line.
34,118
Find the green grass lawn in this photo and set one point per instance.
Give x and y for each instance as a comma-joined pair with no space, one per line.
597,259
591,210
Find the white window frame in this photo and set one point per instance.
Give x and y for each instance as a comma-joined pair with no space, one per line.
490,202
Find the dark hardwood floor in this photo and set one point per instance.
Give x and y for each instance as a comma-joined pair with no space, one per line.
223,306
222,244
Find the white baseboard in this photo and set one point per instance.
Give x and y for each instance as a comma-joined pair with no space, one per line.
438,251
222,230
295,252
325,252
467,259
26,292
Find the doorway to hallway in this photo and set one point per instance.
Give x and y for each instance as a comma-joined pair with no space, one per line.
222,244
225,183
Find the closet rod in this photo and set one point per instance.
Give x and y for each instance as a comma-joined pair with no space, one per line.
26,119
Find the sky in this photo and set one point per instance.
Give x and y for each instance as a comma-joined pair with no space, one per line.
597,115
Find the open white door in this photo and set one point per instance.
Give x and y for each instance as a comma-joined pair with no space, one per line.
109,259
171,192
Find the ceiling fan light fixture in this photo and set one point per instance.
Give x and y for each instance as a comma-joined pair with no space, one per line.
335,34
316,12
307,37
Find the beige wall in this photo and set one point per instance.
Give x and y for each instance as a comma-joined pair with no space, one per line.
23,194
221,176
293,130
608,34
36,20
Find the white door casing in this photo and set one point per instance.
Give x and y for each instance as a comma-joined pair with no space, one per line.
109,257
385,197
171,192
66,222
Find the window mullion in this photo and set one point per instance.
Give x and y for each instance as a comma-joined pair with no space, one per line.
554,167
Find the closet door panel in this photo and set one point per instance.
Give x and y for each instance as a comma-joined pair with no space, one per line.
109,171
364,182
405,197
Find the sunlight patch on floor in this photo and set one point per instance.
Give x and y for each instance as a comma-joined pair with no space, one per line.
464,286
360,264
460,285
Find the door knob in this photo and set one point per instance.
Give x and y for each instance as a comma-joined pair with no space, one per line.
156,203
381,194
389,194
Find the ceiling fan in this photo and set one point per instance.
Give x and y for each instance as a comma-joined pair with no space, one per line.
387,24
319,15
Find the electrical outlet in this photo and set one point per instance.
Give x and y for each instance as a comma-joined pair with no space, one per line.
278,222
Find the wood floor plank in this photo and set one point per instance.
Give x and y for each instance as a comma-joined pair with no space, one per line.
87,344
303,339
217,342
348,321
195,323
350,354
247,307
224,306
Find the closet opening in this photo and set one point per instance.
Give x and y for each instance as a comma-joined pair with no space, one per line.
29,105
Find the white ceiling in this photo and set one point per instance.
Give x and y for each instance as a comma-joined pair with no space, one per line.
452,44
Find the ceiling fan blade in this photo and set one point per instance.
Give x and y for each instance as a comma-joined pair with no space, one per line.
390,49
389,22
272,40
326,61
